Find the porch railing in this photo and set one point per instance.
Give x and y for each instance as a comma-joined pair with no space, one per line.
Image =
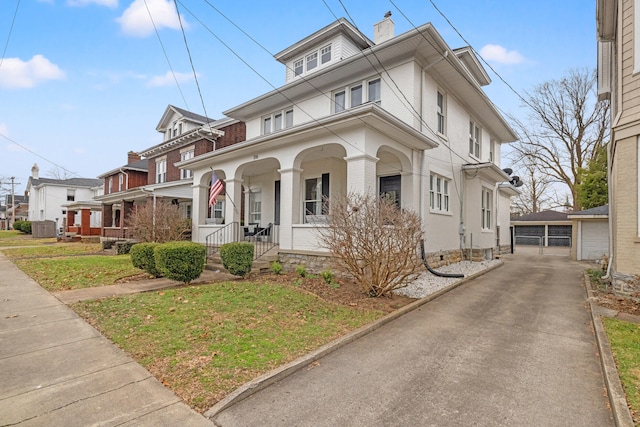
227,234
263,240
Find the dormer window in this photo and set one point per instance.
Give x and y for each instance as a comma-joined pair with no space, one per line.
312,61
325,54
298,67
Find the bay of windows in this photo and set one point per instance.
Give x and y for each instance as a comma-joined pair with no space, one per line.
310,61
161,171
274,122
355,95
186,155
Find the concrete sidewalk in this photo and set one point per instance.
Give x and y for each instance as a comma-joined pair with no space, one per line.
56,370
514,347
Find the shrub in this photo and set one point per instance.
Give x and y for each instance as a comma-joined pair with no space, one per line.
180,261
142,257
17,225
25,227
276,267
237,257
301,270
123,248
327,276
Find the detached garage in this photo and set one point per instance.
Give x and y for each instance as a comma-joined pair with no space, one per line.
549,228
590,233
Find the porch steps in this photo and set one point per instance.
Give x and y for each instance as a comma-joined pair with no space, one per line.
260,265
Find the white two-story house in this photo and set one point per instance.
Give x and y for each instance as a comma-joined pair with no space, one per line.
403,115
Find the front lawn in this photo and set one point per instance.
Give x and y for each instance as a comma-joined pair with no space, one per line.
625,345
58,249
65,273
18,238
205,341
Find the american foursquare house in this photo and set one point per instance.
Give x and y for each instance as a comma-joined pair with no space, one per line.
402,115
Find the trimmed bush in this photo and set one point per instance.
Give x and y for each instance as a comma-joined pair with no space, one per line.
142,257
25,227
181,261
237,257
123,248
17,225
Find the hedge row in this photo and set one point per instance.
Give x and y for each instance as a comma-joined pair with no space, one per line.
24,226
180,261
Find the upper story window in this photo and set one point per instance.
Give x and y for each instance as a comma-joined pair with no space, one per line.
486,208
161,170
274,122
186,155
120,182
325,54
492,150
474,139
71,195
298,67
110,184
310,61
438,193
440,113
354,95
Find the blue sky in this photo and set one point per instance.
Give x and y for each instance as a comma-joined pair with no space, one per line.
82,82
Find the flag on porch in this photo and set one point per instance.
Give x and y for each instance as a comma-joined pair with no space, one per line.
216,189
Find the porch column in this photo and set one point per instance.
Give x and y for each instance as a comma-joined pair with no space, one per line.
233,191
290,204
200,204
85,222
361,174
71,218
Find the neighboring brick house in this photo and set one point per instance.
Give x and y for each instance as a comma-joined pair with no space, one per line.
618,26
151,174
16,208
404,116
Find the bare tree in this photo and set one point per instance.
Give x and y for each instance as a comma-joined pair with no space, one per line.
159,223
59,173
373,241
536,194
565,128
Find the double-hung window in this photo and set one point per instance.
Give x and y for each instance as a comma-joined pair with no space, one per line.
374,91
339,99
438,193
440,112
120,182
274,122
298,67
161,171
356,94
186,155
325,54
71,195
312,61
110,186
474,139
486,208
255,206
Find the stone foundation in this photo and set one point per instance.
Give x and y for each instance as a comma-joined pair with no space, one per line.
625,284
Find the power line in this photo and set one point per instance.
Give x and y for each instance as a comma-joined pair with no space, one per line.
6,45
38,155
166,55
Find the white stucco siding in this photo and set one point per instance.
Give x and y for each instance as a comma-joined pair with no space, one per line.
406,76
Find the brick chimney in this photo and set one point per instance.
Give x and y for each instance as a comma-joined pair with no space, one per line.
383,30
132,156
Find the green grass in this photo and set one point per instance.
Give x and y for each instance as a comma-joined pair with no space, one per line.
18,238
64,273
60,249
625,345
205,341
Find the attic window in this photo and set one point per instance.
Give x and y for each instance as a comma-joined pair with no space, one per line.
325,53
312,61
298,67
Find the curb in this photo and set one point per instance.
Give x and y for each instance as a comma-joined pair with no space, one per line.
617,398
275,375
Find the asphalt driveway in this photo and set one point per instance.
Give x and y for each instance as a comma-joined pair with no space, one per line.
514,347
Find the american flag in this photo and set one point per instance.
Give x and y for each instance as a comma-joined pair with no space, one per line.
215,190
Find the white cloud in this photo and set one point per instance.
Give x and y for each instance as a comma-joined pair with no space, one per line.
497,53
167,79
16,73
108,3
135,20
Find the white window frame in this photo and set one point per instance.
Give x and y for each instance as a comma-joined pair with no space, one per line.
317,201
492,150
110,185
475,140
187,154
363,87
440,113
324,52
298,67
71,194
255,206
120,182
311,61
439,196
275,123
216,211
487,205
161,170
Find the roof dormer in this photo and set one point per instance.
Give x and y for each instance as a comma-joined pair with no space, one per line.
333,43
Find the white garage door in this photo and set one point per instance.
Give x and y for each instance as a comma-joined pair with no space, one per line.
595,240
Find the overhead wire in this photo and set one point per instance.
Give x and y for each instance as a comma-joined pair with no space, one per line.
6,45
175,78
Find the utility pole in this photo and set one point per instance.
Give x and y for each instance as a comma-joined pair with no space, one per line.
13,201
